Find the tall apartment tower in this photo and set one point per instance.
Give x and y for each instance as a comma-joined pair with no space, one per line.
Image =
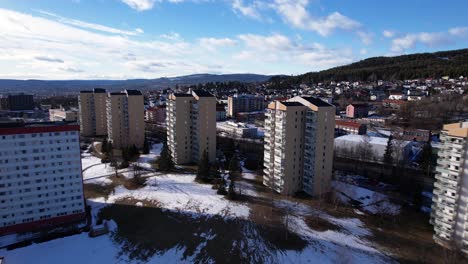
41,185
126,119
449,214
299,138
191,126
245,103
93,116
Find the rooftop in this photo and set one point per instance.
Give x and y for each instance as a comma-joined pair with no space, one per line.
292,104
201,93
182,95
133,92
99,90
316,101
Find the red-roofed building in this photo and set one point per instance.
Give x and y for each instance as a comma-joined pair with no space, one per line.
345,127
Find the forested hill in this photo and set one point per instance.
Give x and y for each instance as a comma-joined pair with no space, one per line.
421,65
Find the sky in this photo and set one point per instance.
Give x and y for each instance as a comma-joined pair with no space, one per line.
129,39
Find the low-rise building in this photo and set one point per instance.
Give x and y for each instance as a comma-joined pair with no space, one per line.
357,110
62,114
345,127
396,96
393,104
238,130
220,112
41,184
410,134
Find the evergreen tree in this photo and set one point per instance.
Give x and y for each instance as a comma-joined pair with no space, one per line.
203,172
425,161
388,155
234,165
104,146
146,147
164,161
232,190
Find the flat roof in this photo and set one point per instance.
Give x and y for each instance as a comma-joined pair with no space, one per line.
11,128
316,101
99,90
133,92
182,95
291,103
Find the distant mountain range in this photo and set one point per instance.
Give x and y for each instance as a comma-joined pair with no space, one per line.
73,86
452,63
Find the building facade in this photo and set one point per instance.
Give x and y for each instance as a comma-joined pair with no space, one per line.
61,114
449,214
191,126
156,114
357,110
345,127
237,130
126,119
93,115
245,103
299,146
19,102
41,184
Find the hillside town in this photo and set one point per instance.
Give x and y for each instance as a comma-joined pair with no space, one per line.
366,172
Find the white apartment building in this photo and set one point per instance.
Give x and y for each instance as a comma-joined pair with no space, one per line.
41,183
449,214
191,126
298,153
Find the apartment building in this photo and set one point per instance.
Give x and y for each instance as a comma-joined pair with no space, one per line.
345,127
449,214
191,126
245,103
126,119
298,153
20,102
93,116
41,185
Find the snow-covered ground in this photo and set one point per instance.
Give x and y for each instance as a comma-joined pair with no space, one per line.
372,202
145,160
180,193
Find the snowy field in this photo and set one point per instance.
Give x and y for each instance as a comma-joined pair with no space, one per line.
179,193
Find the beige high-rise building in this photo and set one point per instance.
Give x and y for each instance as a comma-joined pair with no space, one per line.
299,138
126,119
449,214
93,115
191,126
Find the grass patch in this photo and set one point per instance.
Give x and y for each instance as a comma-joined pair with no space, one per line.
320,224
92,190
202,238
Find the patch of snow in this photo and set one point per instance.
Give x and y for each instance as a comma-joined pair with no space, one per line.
181,193
372,202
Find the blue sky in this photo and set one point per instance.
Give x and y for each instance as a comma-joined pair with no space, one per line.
120,39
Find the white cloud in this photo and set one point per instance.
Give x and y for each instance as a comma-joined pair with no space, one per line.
140,5
388,33
461,32
171,36
294,12
366,37
214,43
363,51
86,25
277,48
42,47
429,39
247,10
